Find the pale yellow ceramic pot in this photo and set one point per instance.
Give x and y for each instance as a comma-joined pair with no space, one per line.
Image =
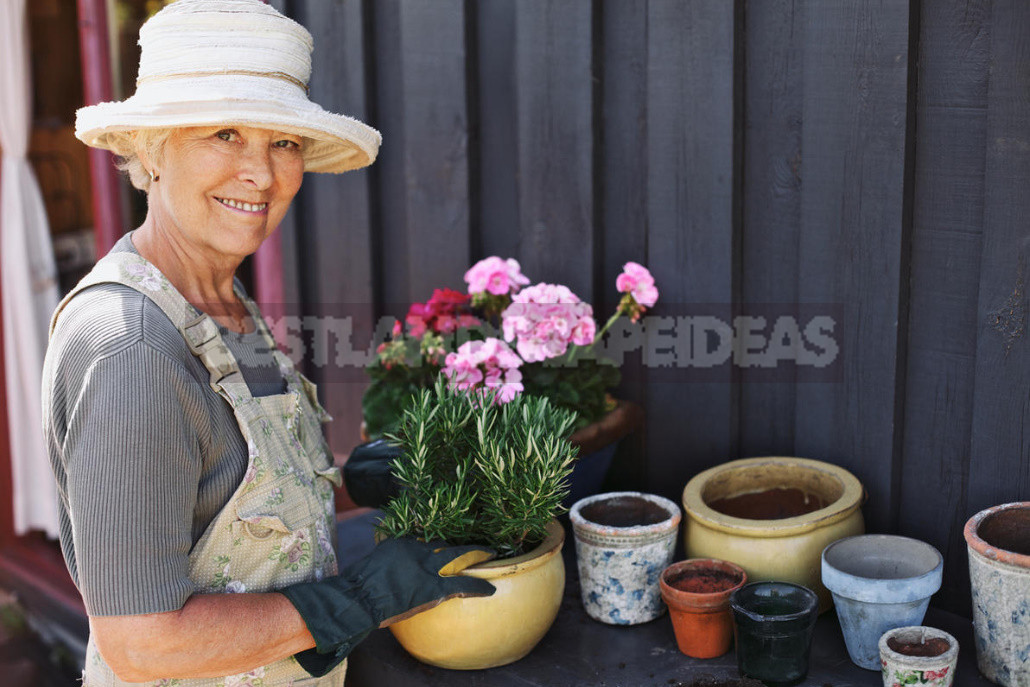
485,632
786,549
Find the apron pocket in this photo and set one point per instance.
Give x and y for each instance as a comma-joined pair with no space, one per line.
279,505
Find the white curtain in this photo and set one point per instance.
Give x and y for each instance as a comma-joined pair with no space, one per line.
29,281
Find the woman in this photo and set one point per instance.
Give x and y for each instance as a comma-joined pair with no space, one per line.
196,488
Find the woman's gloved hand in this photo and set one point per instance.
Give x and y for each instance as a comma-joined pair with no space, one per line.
367,473
400,578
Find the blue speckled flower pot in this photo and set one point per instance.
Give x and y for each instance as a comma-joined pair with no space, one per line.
623,542
879,582
999,570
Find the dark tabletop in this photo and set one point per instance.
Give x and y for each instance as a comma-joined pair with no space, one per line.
580,651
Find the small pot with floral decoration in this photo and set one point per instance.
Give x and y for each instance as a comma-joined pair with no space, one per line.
918,655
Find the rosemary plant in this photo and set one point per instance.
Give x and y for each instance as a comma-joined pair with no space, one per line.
477,472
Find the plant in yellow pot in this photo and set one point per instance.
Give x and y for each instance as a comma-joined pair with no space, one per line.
476,470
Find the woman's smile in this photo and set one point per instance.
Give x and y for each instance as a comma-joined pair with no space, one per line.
243,206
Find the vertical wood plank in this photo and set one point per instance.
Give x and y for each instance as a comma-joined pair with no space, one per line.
951,121
853,235
624,169
554,141
999,468
498,183
691,242
333,228
420,52
772,203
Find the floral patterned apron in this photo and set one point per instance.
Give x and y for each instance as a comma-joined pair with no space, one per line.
279,527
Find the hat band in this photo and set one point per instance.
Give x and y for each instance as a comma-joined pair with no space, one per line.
282,76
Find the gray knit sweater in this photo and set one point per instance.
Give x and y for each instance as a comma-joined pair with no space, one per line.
144,452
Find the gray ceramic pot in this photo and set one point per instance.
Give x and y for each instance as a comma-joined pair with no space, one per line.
879,582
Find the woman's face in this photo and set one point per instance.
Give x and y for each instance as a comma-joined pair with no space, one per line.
223,190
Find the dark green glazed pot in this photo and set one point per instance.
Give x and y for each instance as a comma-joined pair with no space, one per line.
773,623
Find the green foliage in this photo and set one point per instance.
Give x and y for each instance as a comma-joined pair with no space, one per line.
396,377
580,386
477,472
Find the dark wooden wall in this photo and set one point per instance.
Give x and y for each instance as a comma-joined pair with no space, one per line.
868,159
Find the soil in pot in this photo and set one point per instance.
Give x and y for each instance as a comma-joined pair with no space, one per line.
1008,530
932,646
624,511
703,581
771,504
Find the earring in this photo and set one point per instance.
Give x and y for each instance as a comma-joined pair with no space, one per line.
154,177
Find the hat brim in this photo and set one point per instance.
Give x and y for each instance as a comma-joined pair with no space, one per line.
335,143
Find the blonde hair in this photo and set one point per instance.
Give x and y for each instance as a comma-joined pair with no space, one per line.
128,147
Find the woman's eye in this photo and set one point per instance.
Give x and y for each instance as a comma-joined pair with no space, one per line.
287,143
227,134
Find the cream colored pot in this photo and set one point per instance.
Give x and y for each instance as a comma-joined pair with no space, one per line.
786,549
485,632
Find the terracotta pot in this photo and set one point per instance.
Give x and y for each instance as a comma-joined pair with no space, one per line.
697,592
918,656
623,542
485,632
999,570
807,505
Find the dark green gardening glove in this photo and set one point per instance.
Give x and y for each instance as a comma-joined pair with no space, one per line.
367,473
400,578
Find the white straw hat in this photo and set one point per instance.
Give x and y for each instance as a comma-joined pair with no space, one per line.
215,62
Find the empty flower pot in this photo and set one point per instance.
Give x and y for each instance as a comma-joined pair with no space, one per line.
879,582
918,656
623,542
772,516
999,569
697,592
773,629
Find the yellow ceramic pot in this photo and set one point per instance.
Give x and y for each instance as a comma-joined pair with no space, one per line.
787,549
485,632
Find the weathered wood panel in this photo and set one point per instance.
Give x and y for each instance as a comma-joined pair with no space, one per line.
999,468
335,234
498,184
852,234
772,204
951,121
554,141
624,202
420,56
690,241
783,169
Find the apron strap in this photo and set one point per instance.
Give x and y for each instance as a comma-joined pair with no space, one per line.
198,329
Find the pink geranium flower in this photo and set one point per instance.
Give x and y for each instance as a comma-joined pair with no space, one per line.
496,276
544,319
485,365
637,283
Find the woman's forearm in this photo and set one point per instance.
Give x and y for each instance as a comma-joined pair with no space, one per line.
213,635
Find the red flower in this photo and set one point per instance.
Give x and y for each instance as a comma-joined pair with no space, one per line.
445,312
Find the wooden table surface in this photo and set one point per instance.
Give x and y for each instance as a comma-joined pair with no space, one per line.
580,651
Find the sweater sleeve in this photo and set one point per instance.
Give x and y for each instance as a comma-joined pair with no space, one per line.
134,460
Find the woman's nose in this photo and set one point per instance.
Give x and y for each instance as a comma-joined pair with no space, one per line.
256,166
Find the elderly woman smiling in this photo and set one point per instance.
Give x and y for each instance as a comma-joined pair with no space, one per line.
196,488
